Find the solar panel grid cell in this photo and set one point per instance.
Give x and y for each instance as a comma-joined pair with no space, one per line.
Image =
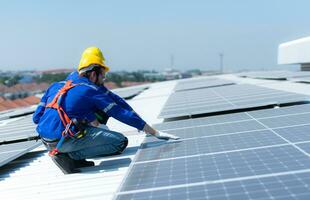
305,147
295,134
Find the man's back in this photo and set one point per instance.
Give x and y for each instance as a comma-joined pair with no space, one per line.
79,102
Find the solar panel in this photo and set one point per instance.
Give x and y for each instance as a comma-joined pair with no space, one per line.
17,112
254,155
301,80
16,129
203,121
275,75
129,92
210,100
14,134
195,169
204,145
265,113
218,129
286,186
201,83
10,152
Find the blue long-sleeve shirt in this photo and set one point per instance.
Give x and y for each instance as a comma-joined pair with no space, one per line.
80,102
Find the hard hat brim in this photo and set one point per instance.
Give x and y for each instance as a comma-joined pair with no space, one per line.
90,67
106,68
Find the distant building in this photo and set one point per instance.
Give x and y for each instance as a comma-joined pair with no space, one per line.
171,74
295,52
154,75
7,104
55,71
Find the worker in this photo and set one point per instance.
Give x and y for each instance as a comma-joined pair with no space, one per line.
66,117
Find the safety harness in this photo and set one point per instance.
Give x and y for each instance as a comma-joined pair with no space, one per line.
66,121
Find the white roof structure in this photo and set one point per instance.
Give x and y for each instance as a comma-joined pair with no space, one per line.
35,176
295,52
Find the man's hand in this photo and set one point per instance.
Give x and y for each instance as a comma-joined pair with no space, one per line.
165,136
160,135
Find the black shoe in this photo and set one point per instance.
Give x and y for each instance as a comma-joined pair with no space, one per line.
83,163
65,163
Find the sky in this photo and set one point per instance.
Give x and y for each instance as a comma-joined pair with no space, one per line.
143,34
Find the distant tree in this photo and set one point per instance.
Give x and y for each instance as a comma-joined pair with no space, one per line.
195,71
116,78
51,78
10,81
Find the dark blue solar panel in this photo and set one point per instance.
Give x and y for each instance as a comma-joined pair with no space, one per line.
216,167
249,156
160,149
226,98
292,186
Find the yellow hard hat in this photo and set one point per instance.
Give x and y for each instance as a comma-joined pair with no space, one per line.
92,55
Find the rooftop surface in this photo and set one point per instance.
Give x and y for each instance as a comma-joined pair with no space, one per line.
34,175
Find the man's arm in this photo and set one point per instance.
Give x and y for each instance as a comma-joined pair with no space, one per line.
119,100
128,117
41,107
159,134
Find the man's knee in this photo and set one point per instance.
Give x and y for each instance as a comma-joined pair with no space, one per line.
125,143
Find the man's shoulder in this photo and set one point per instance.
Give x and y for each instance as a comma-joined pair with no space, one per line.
73,76
57,85
88,85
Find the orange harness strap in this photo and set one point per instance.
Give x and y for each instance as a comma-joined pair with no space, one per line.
66,121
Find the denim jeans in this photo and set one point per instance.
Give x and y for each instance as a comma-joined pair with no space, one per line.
96,142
